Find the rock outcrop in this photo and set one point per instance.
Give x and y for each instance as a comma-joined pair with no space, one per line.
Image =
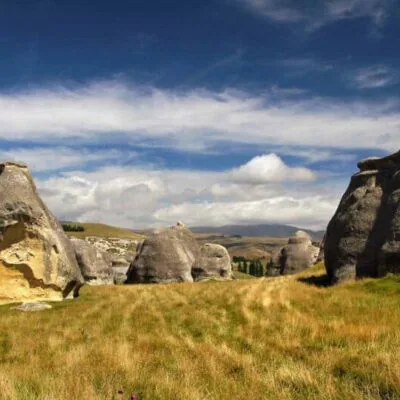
298,255
363,237
173,255
95,265
122,252
37,260
213,262
165,256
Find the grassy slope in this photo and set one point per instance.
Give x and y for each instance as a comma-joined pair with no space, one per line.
105,231
245,339
252,248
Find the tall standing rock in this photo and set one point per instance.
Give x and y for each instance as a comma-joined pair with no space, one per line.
37,261
363,237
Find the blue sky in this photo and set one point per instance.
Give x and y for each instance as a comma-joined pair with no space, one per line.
212,112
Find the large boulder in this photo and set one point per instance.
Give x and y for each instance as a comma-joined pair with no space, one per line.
37,261
173,255
166,256
213,262
298,255
363,237
95,265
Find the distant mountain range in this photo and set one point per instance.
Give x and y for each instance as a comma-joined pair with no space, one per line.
273,230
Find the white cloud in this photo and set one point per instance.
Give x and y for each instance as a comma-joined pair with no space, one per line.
41,159
141,197
270,168
197,119
308,212
321,12
375,77
314,155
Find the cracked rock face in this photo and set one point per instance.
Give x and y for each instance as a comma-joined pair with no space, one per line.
37,261
173,255
95,265
363,237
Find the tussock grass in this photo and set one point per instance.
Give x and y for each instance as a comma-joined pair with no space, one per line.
262,338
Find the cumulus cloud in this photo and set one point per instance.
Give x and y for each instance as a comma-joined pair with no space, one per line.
270,168
321,12
197,119
138,197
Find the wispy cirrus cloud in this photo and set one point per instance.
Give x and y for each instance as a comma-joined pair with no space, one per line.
320,12
51,159
304,65
374,77
119,112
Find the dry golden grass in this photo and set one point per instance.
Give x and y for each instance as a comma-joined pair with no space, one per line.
105,231
245,339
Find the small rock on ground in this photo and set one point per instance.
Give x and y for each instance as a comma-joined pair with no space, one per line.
32,307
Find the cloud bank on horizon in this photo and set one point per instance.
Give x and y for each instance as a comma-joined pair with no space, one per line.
259,134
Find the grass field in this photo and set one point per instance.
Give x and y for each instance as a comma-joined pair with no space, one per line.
104,231
246,339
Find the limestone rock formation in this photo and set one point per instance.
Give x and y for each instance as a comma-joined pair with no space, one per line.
37,261
363,237
95,265
173,255
165,256
297,255
213,262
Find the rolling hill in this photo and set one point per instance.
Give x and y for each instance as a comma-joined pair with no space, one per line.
271,230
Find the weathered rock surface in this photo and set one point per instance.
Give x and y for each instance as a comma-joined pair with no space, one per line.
298,255
95,265
165,256
363,237
116,247
37,261
173,255
213,262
